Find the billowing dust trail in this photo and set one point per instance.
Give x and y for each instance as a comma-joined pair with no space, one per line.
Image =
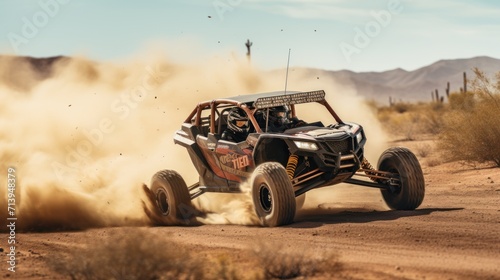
84,140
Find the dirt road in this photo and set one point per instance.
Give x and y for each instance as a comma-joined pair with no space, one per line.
455,234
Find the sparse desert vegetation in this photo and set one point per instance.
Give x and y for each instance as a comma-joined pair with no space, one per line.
465,128
472,129
133,254
137,254
279,261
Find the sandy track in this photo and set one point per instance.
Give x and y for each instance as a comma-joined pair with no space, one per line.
455,234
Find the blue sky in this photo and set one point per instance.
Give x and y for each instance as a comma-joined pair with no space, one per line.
328,34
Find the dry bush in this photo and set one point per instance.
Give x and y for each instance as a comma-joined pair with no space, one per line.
128,255
434,162
432,120
415,119
280,262
225,270
401,125
424,150
472,130
462,101
401,107
406,125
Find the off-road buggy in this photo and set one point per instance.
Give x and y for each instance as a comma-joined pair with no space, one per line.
280,167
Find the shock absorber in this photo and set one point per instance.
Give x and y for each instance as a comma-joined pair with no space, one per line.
365,164
293,160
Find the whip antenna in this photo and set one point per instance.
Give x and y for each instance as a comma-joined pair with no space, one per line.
287,65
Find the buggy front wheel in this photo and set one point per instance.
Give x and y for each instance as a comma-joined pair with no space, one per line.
409,191
273,195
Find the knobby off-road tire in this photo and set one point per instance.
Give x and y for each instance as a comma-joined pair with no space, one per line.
273,195
172,198
411,191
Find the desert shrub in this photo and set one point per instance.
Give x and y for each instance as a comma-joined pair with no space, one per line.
464,101
432,122
420,118
402,125
224,269
128,255
423,150
472,130
401,107
280,262
434,162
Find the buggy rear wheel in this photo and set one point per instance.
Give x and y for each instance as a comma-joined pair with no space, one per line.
408,194
273,195
172,198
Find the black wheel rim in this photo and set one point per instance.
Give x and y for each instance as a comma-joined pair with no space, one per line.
396,189
265,198
162,201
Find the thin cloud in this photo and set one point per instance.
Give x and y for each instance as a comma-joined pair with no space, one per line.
337,10
353,11
458,10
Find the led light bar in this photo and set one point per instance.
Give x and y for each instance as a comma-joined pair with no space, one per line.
287,99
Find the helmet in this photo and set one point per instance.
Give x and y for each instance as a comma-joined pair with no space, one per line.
237,120
278,115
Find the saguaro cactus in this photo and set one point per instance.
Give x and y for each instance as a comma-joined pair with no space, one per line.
448,90
248,44
465,82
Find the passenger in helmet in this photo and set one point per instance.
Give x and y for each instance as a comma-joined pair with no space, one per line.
279,119
278,116
237,126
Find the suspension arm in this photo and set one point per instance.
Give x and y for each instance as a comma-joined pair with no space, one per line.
369,184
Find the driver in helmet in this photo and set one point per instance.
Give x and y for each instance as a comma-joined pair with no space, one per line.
237,126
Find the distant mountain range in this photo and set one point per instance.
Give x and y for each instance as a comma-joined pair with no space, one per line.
410,86
398,84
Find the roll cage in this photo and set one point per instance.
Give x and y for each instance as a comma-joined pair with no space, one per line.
215,122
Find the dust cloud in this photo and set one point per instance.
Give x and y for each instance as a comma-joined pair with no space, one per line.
85,139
